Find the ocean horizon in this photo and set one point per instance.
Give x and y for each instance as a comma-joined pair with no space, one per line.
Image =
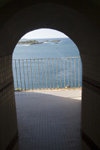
64,48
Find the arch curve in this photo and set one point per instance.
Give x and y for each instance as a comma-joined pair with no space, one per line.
85,35
49,15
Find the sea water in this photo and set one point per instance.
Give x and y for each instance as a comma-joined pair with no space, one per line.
64,48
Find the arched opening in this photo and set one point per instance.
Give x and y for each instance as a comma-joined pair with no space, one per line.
49,70
48,60
83,32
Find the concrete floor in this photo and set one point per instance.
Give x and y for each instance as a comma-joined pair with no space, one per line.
49,120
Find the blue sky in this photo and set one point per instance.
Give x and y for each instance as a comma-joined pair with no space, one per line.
44,33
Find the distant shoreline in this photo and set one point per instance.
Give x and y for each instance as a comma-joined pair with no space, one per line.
33,42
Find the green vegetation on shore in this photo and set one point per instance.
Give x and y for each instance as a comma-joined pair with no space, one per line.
29,42
32,42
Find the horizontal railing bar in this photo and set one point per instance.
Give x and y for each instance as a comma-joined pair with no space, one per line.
47,58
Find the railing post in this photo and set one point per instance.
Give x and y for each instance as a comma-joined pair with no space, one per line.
27,74
71,74
75,70
42,73
24,75
20,74
57,72
39,74
35,75
64,72
49,73
68,71
31,74
16,74
60,74
78,71
46,73
53,73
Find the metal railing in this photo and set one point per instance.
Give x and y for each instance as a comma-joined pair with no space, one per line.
47,73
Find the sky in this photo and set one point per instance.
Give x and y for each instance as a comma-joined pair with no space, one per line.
44,33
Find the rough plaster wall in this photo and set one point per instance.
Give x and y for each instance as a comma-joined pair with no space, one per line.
86,35
8,124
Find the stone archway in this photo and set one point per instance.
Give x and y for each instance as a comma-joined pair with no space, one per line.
54,16
85,35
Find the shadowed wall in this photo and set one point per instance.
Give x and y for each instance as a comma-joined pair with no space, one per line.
77,19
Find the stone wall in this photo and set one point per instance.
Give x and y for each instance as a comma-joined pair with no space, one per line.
8,120
91,102
80,20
